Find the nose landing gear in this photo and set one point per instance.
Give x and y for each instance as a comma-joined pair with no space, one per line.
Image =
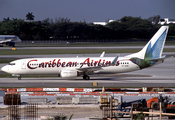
16,75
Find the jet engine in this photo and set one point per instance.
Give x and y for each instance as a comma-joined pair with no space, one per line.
68,73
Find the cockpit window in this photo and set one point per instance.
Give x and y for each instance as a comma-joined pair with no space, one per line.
11,63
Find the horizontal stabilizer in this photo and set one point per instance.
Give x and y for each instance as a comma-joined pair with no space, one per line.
159,59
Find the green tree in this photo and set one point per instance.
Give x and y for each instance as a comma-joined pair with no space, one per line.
30,16
6,19
12,27
154,19
131,27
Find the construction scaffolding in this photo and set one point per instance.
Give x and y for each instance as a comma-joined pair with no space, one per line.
107,105
12,99
31,112
14,112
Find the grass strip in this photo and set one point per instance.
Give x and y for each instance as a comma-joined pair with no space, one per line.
6,60
90,44
64,51
70,51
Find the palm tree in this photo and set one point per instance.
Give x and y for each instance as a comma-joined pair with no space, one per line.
30,16
6,19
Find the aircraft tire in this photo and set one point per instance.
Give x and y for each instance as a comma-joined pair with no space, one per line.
86,77
19,78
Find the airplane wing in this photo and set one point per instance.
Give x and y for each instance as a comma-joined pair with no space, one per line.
95,68
89,69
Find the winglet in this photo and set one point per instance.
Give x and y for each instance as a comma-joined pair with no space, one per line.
102,55
115,60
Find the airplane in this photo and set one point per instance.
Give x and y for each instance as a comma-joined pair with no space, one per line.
150,55
9,40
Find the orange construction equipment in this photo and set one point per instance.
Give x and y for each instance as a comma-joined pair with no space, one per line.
154,102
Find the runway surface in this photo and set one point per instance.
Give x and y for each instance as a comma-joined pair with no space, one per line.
100,81
162,75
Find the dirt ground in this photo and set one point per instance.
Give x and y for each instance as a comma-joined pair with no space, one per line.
77,111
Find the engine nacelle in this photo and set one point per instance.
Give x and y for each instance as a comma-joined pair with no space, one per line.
68,73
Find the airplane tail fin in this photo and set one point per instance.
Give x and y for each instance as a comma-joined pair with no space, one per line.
153,49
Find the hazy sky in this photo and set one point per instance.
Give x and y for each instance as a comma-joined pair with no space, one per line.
88,10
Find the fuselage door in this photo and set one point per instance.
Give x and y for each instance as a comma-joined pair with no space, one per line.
23,64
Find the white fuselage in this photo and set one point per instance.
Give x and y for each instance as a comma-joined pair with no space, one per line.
9,38
150,55
55,65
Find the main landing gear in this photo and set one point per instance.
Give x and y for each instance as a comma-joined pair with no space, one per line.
86,77
19,78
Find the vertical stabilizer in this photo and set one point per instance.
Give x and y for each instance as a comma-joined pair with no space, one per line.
153,49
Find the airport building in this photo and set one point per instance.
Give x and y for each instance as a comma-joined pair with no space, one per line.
103,23
166,21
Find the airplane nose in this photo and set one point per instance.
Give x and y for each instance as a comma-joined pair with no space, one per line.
4,69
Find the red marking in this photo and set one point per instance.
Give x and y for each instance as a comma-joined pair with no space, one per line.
3,89
170,92
34,89
78,90
58,63
28,64
12,90
62,89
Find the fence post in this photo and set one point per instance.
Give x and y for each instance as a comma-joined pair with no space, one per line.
131,111
160,111
111,107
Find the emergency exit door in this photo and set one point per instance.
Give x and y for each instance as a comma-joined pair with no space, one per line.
23,64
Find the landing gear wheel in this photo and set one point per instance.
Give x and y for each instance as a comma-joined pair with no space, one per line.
86,77
19,78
